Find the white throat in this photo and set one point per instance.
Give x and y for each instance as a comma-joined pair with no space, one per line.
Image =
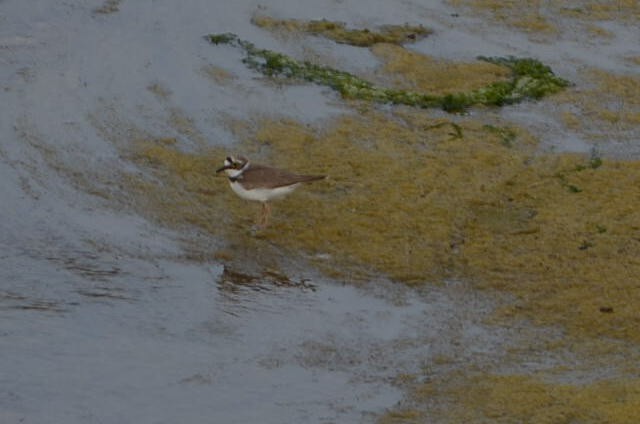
234,173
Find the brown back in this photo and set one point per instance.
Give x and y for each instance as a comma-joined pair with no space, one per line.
260,176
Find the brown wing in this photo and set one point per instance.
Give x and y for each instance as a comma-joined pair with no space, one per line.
260,176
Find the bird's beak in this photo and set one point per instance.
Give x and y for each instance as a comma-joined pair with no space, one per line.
223,168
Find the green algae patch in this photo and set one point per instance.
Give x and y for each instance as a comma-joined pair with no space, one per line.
491,81
527,399
528,79
338,31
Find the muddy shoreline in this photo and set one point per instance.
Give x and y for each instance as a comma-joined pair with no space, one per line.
131,285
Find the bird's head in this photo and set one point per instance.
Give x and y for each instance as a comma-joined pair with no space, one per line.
234,165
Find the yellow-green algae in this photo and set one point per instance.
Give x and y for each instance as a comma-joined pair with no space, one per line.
409,70
611,102
527,15
422,200
108,6
217,74
526,399
529,79
538,17
338,31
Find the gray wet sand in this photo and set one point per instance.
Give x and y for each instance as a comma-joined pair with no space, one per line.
104,321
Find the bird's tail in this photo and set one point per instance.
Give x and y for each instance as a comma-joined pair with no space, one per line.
309,178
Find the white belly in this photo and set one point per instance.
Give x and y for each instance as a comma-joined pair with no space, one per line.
262,194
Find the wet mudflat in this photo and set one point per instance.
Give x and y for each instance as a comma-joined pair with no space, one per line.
499,287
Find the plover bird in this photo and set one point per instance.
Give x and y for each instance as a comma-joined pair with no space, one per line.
261,183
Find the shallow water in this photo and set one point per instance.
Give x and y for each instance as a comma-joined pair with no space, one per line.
101,338
103,320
